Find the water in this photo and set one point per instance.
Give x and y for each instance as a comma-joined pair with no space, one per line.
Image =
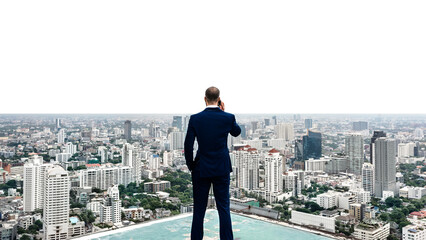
244,229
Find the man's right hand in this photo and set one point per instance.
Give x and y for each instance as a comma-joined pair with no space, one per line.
222,105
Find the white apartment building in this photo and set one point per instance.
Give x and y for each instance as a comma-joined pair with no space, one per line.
176,140
70,148
279,143
414,232
284,131
246,161
368,177
273,175
406,149
130,158
328,200
294,181
56,204
61,136
316,165
63,157
110,209
105,176
412,192
306,219
362,196
34,180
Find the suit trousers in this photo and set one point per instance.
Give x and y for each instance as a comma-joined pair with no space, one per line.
201,189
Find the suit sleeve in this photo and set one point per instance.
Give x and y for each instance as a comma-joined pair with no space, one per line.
189,145
236,130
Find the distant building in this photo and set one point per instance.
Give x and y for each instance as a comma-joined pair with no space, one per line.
176,140
130,158
384,166
376,134
354,146
308,123
312,145
274,120
61,136
284,131
153,187
128,130
368,177
177,122
359,126
267,121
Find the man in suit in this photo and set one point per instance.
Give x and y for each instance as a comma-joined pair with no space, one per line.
212,164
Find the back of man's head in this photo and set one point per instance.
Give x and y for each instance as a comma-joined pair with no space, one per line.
212,94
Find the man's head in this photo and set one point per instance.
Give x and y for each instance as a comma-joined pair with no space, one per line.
212,96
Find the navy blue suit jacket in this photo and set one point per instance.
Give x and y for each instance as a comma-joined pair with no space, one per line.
211,128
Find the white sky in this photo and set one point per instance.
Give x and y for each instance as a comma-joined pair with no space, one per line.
264,56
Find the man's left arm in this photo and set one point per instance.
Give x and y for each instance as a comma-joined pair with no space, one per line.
189,145
236,130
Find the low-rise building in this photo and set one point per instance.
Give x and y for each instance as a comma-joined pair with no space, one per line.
414,232
372,231
158,186
306,219
76,227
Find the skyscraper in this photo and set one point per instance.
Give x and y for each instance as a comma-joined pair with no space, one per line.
34,184
274,120
177,122
61,136
284,131
70,148
128,130
354,147
267,121
247,168
58,124
273,175
312,145
368,177
243,131
376,134
308,123
384,166
56,203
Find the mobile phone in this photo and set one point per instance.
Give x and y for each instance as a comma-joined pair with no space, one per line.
219,103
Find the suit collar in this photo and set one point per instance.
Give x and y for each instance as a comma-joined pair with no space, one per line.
213,109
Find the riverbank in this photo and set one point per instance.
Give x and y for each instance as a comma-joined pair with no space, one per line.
289,225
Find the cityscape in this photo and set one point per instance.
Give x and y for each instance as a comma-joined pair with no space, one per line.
339,175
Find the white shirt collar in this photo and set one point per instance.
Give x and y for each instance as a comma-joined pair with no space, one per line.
212,106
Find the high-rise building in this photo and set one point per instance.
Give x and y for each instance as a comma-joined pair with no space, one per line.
110,209
185,123
294,181
354,146
176,140
34,184
284,131
243,131
406,149
128,130
274,120
384,167
103,152
254,126
106,176
56,203
58,124
177,122
308,123
359,126
312,145
130,158
273,175
70,148
368,177
61,136
247,167
376,134
267,122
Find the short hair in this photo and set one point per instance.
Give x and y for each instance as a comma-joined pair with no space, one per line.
212,94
